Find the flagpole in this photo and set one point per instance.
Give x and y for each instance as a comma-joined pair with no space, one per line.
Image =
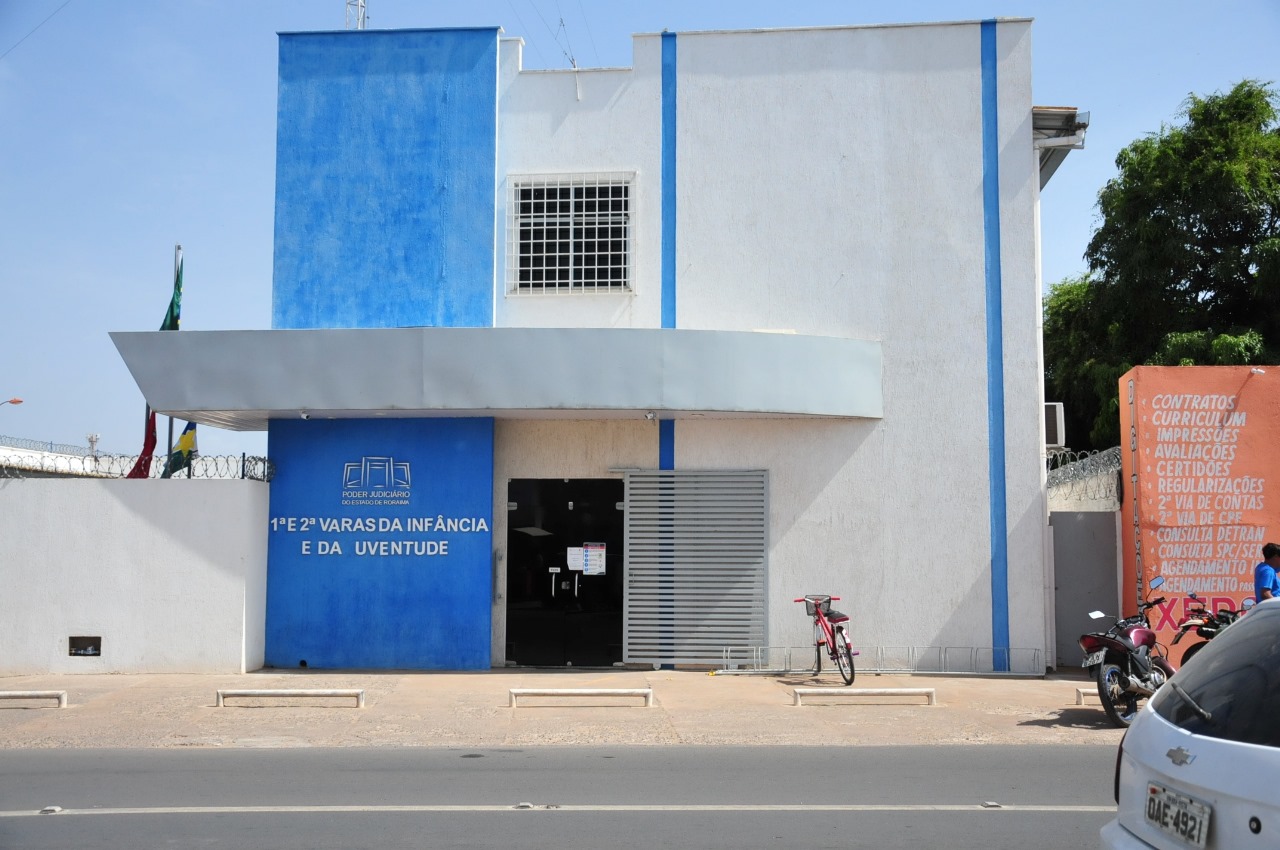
142,468
177,278
146,423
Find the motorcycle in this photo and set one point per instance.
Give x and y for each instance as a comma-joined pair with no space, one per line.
1126,661
1206,624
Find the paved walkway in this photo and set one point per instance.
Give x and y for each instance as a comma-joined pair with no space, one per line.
471,710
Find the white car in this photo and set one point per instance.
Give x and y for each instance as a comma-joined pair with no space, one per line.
1200,766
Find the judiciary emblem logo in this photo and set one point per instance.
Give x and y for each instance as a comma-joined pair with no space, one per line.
375,474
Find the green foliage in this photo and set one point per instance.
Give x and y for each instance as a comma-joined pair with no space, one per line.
1189,348
1184,268
1239,350
1203,348
1077,354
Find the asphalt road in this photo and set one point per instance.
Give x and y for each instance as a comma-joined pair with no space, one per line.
985,797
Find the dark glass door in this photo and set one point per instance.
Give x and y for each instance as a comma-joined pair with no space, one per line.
564,572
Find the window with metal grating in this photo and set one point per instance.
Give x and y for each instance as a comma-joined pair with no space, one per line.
696,547
569,233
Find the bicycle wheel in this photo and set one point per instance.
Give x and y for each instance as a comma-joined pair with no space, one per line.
844,656
817,649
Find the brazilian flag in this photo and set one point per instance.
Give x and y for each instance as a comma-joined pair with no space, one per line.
184,451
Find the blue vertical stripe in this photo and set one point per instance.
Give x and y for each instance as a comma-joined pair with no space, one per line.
667,428
995,350
668,180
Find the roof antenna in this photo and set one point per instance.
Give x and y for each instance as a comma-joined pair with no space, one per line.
567,50
355,13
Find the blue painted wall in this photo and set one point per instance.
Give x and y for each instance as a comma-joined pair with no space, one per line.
379,544
385,176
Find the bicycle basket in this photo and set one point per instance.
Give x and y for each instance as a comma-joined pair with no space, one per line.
815,602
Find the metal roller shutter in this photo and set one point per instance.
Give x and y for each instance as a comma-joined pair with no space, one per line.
696,543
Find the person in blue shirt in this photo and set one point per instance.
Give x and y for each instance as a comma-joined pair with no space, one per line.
1266,584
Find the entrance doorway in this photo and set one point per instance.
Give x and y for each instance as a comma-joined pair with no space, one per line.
564,571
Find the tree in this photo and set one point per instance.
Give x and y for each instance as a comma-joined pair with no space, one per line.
1081,369
1184,268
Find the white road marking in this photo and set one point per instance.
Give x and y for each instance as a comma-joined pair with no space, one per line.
556,807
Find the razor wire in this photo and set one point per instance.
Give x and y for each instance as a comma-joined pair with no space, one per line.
42,464
43,446
1092,475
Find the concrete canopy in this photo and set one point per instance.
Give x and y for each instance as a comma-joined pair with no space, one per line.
240,380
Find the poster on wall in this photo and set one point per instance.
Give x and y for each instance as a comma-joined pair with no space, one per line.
1199,466
587,559
593,559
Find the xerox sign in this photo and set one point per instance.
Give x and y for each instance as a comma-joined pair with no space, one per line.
379,544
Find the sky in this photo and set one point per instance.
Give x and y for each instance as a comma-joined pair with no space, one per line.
127,128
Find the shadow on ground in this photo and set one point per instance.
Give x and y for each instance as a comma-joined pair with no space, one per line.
1085,717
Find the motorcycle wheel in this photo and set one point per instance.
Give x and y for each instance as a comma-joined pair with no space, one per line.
1120,705
1192,650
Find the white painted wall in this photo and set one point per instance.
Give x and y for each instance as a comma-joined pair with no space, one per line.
170,574
830,183
574,122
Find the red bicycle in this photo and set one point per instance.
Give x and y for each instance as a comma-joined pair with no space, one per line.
828,631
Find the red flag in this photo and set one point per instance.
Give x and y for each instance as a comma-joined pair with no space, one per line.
142,469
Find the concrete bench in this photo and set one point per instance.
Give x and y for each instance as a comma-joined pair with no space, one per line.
931,697
647,693
1083,693
60,696
293,692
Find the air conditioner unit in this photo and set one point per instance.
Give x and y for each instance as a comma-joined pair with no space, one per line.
1055,426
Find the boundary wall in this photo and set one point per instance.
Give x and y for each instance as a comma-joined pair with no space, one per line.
168,576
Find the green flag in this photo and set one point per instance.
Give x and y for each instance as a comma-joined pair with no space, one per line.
174,316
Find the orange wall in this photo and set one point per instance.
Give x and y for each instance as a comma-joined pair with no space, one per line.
1201,466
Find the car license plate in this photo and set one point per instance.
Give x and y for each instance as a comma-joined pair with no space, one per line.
1178,815
1094,658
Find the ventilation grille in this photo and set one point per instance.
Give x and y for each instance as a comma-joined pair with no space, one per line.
695,564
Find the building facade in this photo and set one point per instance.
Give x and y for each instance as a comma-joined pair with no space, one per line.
601,367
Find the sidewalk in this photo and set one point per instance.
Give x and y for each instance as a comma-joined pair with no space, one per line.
412,709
